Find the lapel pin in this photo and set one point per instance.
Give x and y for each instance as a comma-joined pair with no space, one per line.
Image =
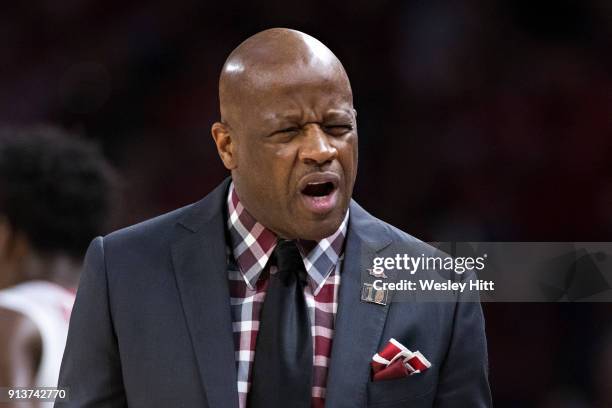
372,295
377,274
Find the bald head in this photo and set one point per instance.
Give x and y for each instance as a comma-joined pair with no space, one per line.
277,56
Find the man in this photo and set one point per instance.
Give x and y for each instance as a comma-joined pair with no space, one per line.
252,296
54,197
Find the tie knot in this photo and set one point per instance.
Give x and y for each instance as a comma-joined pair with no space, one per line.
289,261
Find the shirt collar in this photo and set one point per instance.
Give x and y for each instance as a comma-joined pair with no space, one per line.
252,245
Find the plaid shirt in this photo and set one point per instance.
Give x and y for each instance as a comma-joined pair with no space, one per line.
251,247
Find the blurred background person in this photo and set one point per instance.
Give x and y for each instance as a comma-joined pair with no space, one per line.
55,196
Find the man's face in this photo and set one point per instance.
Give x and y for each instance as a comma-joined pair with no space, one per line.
296,152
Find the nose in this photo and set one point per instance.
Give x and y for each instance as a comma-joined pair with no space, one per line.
316,148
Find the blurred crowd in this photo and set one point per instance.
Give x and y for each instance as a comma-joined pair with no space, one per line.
478,120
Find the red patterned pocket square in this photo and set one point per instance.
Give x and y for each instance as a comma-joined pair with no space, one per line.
396,361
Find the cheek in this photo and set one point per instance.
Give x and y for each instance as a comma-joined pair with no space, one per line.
348,155
252,159
271,164
281,162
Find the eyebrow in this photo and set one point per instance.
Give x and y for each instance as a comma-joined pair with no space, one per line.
296,117
338,114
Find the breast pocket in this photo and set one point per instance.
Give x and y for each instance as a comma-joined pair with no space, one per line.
415,391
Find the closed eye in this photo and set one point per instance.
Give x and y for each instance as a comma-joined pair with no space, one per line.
338,130
284,135
289,129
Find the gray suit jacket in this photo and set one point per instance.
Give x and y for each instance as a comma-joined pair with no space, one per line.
151,326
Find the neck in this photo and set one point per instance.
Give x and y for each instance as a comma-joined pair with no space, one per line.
61,269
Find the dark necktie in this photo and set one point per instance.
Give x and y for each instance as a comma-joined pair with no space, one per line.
282,370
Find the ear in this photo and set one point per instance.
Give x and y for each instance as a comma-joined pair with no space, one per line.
226,146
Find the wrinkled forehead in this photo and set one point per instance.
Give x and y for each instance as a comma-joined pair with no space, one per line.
291,92
293,78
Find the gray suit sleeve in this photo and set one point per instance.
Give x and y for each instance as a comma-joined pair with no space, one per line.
464,375
91,367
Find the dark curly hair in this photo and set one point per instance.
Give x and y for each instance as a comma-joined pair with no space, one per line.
54,187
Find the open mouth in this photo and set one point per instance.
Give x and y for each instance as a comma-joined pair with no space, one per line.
319,192
318,189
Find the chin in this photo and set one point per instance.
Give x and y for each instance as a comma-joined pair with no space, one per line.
319,229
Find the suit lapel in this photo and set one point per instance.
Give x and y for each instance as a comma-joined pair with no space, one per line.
359,324
200,266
